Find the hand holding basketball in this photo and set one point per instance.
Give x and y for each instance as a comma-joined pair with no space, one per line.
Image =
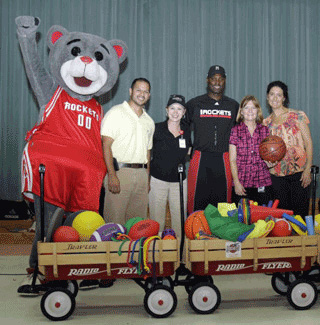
272,148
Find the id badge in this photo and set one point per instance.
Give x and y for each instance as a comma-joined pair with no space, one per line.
261,189
182,143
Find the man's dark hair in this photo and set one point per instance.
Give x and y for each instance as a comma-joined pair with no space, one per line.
140,79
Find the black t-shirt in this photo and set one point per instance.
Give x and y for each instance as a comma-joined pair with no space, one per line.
212,122
167,153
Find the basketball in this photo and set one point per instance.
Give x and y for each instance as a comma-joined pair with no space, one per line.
272,148
195,223
65,234
107,231
86,223
282,228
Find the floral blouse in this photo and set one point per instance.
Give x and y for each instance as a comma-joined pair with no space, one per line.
296,156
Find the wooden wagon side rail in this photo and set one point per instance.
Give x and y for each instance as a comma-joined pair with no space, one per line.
107,253
254,249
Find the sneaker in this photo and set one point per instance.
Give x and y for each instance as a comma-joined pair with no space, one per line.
32,227
88,284
26,287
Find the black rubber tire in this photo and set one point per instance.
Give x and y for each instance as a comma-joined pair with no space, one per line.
58,304
302,294
192,280
281,281
204,298
160,301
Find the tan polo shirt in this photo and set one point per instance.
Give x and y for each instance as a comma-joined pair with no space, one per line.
132,134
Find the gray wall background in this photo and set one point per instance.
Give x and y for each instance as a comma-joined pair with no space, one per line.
172,43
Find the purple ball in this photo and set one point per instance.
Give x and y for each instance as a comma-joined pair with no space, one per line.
107,231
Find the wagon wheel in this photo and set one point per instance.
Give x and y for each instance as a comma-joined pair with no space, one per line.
58,304
166,281
204,298
314,275
281,281
160,301
192,280
73,287
302,294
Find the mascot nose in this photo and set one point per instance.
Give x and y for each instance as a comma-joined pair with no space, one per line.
86,59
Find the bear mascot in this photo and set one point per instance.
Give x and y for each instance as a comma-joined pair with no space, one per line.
66,138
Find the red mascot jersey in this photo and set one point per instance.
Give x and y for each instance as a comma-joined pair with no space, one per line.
68,142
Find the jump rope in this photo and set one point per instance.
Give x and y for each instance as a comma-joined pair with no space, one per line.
142,264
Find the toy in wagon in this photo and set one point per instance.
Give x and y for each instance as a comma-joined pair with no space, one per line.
252,239
66,138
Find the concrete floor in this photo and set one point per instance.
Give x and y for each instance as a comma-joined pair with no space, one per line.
246,299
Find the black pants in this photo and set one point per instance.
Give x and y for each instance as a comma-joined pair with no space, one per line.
254,195
290,193
209,180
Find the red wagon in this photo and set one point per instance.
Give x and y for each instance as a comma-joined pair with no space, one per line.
293,262
65,263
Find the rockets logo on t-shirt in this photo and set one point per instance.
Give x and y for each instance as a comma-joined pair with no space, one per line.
215,113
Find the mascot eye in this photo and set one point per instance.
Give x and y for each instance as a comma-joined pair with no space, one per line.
75,51
98,56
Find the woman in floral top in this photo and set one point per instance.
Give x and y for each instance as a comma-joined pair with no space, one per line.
291,177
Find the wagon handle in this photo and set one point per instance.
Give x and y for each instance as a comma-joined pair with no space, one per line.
180,171
42,169
314,172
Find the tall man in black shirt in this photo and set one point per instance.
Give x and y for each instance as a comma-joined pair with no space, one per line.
212,116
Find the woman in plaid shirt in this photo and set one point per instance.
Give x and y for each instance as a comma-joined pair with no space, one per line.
251,177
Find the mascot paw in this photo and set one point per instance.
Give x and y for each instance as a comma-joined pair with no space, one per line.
27,25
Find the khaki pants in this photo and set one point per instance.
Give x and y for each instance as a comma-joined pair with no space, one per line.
132,201
160,193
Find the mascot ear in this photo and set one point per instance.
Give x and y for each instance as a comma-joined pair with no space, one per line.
121,49
54,34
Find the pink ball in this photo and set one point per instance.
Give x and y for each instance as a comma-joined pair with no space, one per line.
66,234
282,228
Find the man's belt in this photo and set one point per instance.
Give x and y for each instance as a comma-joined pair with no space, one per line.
122,165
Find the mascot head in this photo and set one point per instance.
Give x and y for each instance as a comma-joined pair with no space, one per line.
84,64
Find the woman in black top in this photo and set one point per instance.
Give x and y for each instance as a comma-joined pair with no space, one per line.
171,145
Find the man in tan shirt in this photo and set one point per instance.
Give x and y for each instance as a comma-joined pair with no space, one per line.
127,132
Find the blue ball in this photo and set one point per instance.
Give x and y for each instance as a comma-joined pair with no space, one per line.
168,232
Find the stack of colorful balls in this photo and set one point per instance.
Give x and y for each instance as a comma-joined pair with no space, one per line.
87,226
248,220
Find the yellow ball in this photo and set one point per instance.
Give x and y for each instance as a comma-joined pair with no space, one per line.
317,224
86,223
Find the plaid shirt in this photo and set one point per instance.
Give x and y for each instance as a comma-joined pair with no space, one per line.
252,170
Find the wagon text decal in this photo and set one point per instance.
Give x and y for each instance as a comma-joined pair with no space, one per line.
81,246
263,266
80,272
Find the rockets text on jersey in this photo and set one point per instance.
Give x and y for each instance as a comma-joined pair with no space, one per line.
215,113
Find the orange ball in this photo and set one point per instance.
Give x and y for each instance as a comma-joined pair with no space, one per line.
282,228
170,237
195,222
66,234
